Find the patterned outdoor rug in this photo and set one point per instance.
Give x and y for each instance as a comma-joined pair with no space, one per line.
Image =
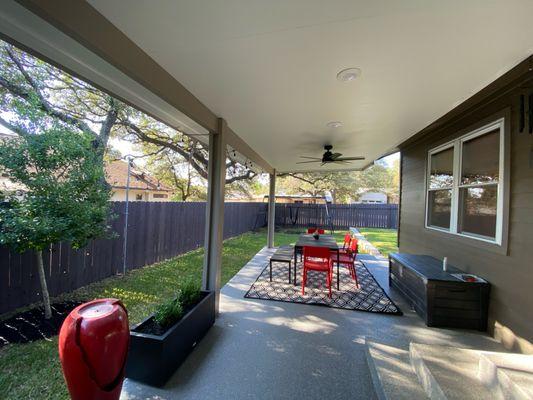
369,296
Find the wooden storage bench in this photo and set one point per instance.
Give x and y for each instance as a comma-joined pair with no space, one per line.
441,298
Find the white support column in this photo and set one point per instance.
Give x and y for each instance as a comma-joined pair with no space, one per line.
271,210
214,228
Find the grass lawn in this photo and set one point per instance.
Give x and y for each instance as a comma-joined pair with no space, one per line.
385,240
32,371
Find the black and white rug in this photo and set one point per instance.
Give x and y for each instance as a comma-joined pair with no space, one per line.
369,296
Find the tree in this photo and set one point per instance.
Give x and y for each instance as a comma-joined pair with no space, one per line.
31,87
344,186
176,172
65,195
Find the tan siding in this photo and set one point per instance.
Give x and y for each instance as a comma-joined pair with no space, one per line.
511,275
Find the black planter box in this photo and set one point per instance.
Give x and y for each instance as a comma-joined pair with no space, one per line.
152,359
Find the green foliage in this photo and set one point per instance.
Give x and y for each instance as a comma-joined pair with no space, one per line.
190,292
385,240
344,186
169,312
65,195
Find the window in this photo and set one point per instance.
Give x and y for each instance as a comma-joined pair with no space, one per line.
160,196
139,197
464,185
440,188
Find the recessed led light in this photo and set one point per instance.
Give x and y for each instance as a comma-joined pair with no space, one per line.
349,74
334,124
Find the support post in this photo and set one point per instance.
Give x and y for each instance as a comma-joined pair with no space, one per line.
271,210
214,228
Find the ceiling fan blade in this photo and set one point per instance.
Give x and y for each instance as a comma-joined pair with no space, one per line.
311,158
334,156
305,162
350,158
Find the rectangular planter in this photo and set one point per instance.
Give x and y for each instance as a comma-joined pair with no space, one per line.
152,359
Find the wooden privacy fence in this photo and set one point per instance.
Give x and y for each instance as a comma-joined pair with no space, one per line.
342,216
156,232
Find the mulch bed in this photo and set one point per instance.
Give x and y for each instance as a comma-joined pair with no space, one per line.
30,325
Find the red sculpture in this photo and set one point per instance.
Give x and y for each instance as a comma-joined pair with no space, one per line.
93,345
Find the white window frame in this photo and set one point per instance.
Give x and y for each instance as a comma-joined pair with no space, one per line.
457,145
433,151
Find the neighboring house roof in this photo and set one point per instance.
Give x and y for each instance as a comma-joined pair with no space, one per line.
117,177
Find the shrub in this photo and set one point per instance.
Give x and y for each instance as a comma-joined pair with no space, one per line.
168,313
189,293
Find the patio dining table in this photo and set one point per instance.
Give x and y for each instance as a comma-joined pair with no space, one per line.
323,241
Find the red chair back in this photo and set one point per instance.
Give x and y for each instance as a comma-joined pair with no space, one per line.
316,252
311,230
321,231
347,240
354,246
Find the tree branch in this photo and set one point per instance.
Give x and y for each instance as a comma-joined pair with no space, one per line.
300,177
18,130
43,104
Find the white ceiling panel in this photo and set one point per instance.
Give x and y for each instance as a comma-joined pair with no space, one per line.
269,67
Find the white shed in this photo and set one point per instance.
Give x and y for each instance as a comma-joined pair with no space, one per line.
373,198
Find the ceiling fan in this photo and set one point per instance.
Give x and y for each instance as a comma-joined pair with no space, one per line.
329,157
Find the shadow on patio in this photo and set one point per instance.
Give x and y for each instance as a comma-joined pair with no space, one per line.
265,349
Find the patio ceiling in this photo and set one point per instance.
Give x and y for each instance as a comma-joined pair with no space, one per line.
269,68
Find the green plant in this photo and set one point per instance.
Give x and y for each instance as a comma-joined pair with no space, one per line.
65,197
190,292
169,312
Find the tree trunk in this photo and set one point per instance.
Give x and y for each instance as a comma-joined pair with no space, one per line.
44,287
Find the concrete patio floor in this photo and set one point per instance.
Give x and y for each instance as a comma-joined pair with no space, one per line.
271,350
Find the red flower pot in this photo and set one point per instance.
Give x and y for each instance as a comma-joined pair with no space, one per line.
93,345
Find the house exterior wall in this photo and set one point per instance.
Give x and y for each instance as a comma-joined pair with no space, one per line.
373,197
509,268
145,195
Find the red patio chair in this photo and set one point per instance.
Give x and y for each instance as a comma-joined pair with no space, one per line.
310,231
348,259
317,259
345,246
